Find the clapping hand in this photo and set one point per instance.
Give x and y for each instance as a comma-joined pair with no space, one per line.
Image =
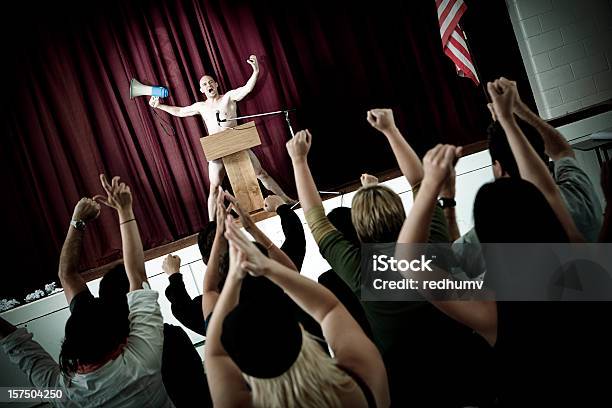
245,257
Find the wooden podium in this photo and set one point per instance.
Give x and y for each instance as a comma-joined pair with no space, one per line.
231,145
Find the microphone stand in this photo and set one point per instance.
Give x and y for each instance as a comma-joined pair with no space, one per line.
286,112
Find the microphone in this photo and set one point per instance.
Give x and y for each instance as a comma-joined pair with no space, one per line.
219,119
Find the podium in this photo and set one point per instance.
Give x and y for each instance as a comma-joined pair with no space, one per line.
231,146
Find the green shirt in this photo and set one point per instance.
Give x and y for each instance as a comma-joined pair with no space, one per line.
389,320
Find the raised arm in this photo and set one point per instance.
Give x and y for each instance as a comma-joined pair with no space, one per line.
408,161
119,197
481,316
180,111
555,144
212,277
295,240
447,194
352,348
239,94
249,225
184,309
227,387
298,148
531,167
416,226
71,280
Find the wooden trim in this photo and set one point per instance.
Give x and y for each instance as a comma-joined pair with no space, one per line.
152,253
475,147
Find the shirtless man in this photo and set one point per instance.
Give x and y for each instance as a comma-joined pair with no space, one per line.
226,105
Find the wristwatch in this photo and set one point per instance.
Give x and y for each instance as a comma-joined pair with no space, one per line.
444,202
78,224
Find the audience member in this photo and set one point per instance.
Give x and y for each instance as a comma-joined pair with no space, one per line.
576,189
106,359
283,366
340,218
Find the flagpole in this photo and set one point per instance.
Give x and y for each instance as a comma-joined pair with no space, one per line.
480,82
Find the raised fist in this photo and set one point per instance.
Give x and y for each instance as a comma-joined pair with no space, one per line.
86,210
299,146
381,119
171,264
252,61
503,96
271,203
368,180
439,163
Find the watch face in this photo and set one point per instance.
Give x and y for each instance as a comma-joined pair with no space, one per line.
446,202
78,224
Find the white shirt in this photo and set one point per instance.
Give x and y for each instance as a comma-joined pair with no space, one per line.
132,379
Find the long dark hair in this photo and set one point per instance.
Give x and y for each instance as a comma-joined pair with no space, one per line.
93,331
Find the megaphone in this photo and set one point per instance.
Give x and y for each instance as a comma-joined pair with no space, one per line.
140,89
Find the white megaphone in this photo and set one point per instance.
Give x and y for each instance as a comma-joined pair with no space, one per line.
140,89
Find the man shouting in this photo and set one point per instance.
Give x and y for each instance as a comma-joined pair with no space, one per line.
226,105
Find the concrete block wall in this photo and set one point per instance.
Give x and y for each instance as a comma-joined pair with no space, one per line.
567,50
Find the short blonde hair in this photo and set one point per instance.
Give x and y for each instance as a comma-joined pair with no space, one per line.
377,214
312,381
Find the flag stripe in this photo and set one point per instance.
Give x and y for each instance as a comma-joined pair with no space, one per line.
459,38
461,57
443,10
453,38
460,48
462,63
450,19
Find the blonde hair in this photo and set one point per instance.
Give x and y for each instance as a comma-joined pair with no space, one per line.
312,381
377,214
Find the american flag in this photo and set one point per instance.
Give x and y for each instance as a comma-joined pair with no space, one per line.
453,37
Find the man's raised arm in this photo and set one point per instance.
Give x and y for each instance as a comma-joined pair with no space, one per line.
180,111
555,144
408,161
71,280
239,94
531,168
